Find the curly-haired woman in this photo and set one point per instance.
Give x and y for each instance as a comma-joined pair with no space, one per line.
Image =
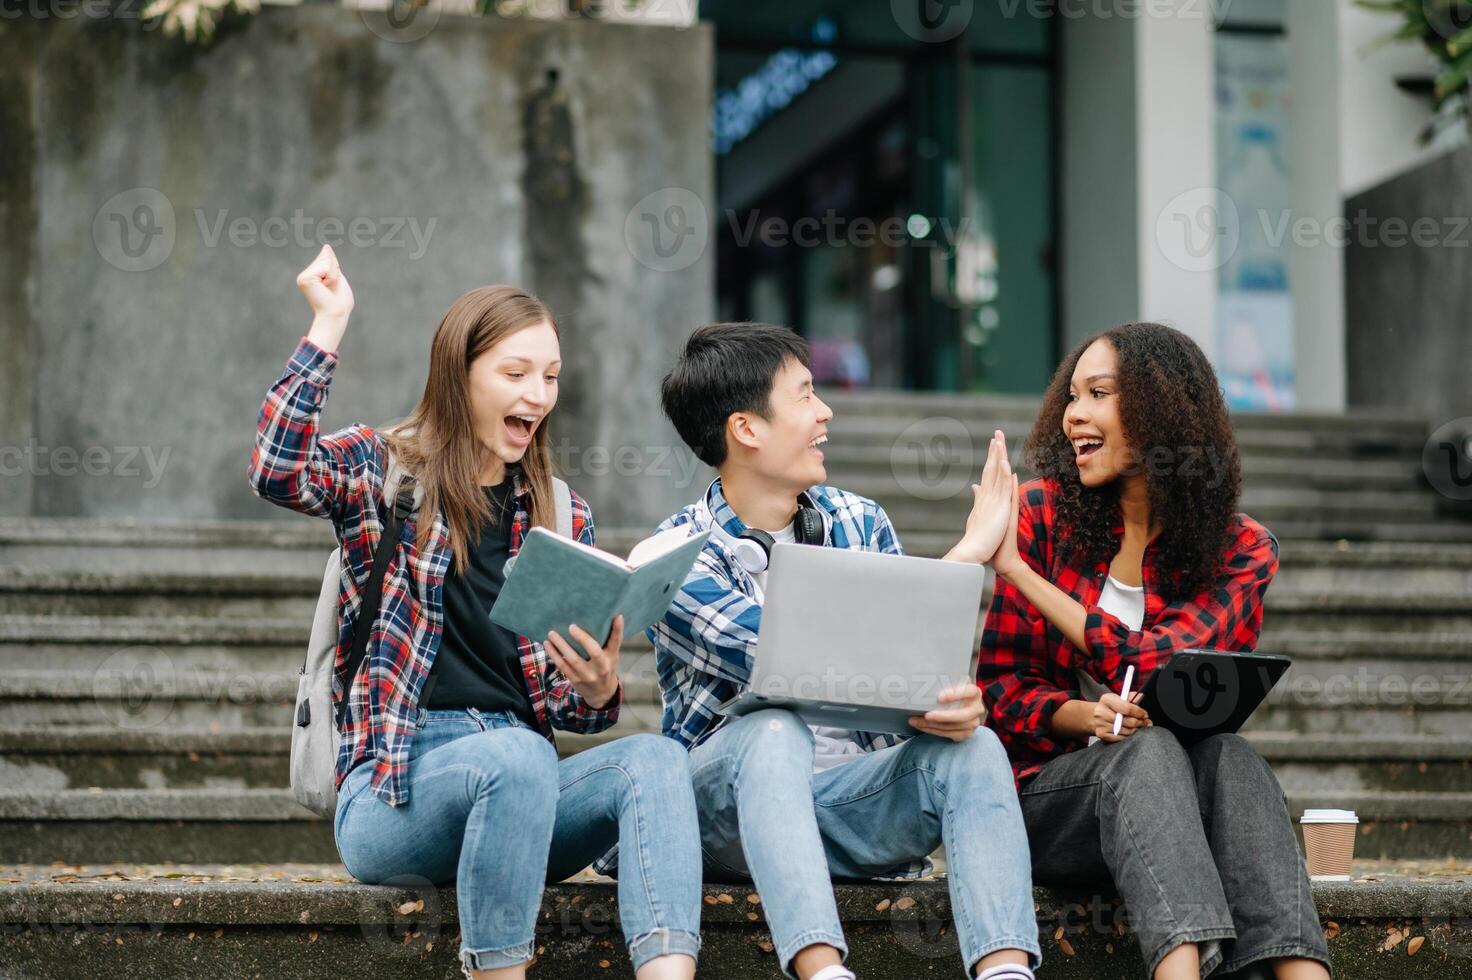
1129,547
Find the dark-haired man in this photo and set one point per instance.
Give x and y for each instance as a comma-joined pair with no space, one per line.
783,803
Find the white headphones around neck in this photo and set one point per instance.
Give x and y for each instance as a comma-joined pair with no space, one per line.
753,547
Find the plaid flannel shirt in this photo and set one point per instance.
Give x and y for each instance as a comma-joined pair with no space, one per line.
1027,667
340,477
705,644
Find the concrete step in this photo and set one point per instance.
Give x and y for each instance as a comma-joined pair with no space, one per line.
1371,555
910,433
903,495
1310,765
286,531
266,647
1398,824
1409,670
1434,580
298,568
1307,765
130,681
198,644
300,921
1289,527
1360,517
1300,644
83,592
53,592
52,640
156,695
246,820
224,609
1360,681
226,825
29,654
1307,524
145,698
1332,615
933,463
179,644
105,757
911,405
28,592
1357,712
266,824
295,549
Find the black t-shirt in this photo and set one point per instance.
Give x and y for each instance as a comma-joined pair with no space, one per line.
478,664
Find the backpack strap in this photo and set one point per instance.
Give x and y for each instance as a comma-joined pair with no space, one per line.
562,501
398,487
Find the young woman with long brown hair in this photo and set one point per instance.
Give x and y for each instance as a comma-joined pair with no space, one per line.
447,767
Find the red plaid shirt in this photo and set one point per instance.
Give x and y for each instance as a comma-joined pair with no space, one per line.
340,477
1027,667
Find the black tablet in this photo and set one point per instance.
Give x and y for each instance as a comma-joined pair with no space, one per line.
1198,693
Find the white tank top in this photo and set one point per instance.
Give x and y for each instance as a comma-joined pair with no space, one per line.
1125,603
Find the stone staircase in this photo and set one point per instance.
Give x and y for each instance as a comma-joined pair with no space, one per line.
147,673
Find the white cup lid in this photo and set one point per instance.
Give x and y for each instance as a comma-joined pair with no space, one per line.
1329,816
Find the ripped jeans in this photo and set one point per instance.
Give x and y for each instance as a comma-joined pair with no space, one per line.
492,808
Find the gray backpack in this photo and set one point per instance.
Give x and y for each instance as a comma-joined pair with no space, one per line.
314,733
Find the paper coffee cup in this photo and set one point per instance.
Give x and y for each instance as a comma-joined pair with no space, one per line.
1328,838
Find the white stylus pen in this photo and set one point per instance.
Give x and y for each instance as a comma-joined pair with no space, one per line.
1129,676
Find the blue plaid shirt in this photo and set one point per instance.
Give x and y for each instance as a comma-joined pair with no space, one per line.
705,644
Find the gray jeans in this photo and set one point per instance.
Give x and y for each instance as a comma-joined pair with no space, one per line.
1198,841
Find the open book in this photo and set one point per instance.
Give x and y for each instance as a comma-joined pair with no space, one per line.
555,581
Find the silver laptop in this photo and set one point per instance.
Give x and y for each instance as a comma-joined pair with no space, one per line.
861,640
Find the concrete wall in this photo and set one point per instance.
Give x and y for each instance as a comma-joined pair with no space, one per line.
1408,304
141,324
1177,150
1316,272
18,190
1138,146
1138,167
1099,196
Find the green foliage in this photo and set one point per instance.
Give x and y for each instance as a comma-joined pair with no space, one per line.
1443,27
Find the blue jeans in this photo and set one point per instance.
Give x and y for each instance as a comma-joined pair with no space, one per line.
491,807
765,814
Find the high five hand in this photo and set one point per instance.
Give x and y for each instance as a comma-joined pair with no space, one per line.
991,507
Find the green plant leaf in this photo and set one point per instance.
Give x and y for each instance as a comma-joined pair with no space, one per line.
1453,80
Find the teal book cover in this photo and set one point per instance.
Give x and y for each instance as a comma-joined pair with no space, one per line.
555,581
